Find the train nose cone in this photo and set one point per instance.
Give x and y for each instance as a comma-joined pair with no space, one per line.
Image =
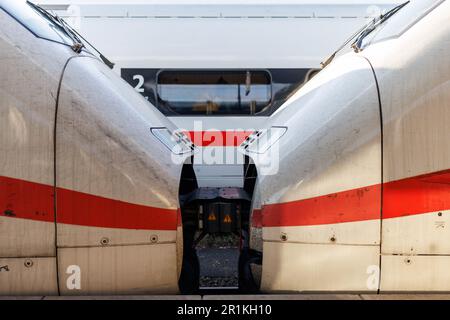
104,139
117,183
322,189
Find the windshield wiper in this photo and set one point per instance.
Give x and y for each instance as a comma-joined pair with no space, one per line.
102,57
78,44
363,32
358,42
331,57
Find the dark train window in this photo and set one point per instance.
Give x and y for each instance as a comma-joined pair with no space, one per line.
282,83
213,92
34,21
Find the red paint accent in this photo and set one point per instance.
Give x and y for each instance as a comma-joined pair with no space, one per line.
88,210
26,200
416,195
257,218
425,193
230,138
179,218
34,201
406,197
347,206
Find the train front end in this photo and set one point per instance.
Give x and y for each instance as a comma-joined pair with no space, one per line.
357,197
89,172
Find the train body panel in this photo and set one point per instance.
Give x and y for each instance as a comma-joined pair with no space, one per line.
131,269
323,204
417,273
28,103
416,151
28,276
27,122
112,189
104,151
316,267
321,174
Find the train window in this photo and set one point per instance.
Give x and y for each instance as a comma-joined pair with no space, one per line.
403,20
214,92
34,21
283,84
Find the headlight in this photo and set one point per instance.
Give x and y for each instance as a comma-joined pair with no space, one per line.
261,140
176,141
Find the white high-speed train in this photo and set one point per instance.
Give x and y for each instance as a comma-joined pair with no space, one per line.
361,197
88,190
96,198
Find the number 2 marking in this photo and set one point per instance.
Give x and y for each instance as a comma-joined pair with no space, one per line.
140,79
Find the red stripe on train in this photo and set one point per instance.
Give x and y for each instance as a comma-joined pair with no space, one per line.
213,138
26,200
410,196
348,206
89,210
29,200
257,218
421,194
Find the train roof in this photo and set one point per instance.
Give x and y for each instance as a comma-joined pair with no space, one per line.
228,34
221,8
221,2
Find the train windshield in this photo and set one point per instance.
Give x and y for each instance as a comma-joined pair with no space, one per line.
214,92
35,22
402,21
